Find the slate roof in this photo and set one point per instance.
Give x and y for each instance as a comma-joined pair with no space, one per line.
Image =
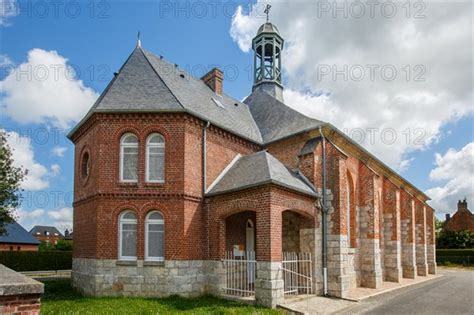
16,234
43,229
147,83
258,169
275,119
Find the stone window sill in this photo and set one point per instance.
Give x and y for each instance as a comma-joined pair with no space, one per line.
154,263
126,263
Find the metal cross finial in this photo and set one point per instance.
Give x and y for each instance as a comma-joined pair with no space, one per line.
267,10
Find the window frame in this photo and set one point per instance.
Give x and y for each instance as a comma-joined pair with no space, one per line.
148,146
124,145
120,236
149,221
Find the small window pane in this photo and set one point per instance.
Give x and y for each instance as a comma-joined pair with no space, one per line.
156,161
155,227
130,139
129,215
155,216
155,244
155,139
129,240
130,164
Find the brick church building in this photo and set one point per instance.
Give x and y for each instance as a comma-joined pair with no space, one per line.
182,189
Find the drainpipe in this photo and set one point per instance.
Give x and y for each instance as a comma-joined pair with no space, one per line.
204,157
324,221
204,177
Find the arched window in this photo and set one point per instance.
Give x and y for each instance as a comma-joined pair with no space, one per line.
155,158
128,236
129,158
155,237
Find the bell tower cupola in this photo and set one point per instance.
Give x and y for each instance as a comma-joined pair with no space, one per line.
267,46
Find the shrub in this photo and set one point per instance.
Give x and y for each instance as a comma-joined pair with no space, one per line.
449,239
37,261
455,256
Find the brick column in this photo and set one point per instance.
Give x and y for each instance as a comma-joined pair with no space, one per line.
407,214
370,261
420,220
391,221
431,240
269,280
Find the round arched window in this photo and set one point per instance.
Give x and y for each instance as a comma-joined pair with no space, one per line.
85,165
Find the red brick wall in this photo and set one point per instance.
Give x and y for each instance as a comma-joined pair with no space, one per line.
222,149
23,247
268,202
407,213
20,304
391,204
100,198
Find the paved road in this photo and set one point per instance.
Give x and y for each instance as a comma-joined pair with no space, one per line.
451,294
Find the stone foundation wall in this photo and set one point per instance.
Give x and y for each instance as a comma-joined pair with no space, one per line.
114,278
408,251
392,250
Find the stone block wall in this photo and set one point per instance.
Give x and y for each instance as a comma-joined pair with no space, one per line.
109,277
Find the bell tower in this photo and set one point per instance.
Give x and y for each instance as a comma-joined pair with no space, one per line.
267,46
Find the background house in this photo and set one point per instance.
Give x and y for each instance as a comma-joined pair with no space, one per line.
18,239
462,219
47,234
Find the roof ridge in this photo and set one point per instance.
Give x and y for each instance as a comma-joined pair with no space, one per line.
159,77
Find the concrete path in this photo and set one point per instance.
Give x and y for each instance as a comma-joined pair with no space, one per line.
451,294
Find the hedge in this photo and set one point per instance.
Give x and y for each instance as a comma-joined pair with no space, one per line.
37,261
455,256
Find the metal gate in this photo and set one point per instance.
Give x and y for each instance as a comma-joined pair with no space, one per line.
297,273
240,273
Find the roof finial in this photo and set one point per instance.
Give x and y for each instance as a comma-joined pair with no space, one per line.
267,11
139,42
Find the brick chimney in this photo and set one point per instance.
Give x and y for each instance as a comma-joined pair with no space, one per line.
462,205
448,216
214,79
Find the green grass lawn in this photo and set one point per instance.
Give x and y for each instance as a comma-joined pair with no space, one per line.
60,298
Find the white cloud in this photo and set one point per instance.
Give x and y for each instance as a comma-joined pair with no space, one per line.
61,218
45,90
324,57
455,171
58,151
8,9
23,156
55,169
5,61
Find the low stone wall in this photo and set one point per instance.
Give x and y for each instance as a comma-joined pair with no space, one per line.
109,277
18,293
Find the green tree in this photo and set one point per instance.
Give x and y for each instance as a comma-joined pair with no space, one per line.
10,180
63,245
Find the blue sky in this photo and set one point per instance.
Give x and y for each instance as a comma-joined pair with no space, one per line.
97,36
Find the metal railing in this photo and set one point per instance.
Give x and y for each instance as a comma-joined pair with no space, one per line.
240,273
297,273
